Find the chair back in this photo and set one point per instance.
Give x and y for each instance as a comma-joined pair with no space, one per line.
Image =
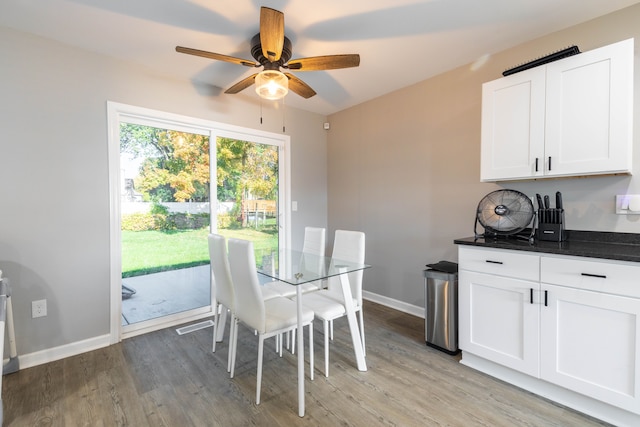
314,240
249,303
313,249
220,273
349,246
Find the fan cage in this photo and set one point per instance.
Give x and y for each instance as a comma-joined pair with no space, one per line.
504,213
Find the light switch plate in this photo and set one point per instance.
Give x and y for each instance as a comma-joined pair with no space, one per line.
622,204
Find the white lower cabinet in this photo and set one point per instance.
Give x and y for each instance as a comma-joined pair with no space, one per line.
566,322
497,321
590,343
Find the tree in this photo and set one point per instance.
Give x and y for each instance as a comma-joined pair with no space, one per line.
246,170
176,165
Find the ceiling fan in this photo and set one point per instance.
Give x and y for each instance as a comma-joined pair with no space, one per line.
272,51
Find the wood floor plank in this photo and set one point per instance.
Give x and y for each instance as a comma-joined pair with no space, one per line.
163,379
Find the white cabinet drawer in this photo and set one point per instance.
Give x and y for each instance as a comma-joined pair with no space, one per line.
612,277
502,263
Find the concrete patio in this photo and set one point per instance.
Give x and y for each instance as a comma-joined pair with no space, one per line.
162,294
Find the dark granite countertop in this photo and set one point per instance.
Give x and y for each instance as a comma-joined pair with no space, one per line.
593,244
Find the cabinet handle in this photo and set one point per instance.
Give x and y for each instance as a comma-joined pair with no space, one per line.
599,276
536,164
493,262
531,295
545,298
549,162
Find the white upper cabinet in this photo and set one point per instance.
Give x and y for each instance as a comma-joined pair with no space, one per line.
570,117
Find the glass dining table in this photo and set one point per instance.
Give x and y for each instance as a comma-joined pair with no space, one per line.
297,268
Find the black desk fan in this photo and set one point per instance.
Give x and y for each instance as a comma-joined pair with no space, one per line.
505,213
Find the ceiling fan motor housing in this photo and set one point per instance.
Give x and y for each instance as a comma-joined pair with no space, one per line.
256,52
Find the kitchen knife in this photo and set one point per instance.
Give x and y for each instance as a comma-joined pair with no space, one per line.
539,199
558,200
547,212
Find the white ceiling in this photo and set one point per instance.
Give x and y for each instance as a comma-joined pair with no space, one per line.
400,42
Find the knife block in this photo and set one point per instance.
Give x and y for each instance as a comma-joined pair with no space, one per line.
551,225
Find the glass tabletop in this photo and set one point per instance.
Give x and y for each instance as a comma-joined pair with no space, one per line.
296,268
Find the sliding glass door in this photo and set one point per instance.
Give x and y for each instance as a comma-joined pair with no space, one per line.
165,217
248,192
173,180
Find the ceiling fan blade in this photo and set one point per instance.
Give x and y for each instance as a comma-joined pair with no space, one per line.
217,56
328,62
299,87
242,84
271,33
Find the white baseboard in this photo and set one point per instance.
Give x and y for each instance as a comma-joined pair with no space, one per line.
394,303
79,347
63,351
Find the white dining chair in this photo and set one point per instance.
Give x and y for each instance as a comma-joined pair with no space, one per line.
271,317
314,244
328,304
223,290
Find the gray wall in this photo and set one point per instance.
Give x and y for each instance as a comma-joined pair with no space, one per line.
405,167
54,194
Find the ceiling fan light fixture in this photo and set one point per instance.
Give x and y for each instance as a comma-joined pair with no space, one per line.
272,84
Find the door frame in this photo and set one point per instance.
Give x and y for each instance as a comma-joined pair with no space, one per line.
117,112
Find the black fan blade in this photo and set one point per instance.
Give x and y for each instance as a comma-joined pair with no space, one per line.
242,84
211,55
271,33
300,87
327,62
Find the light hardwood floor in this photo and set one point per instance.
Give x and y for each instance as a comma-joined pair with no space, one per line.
164,379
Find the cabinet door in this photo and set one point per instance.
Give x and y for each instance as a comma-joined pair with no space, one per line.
590,112
590,343
513,126
498,320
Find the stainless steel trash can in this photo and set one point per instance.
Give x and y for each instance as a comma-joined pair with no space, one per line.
441,310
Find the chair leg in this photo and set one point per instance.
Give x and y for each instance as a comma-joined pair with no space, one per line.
293,341
331,324
234,345
216,320
259,374
311,350
326,347
364,348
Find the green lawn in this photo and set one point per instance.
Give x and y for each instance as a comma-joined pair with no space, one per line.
145,252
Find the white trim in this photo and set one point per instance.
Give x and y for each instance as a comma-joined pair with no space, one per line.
90,344
169,321
62,352
117,112
394,303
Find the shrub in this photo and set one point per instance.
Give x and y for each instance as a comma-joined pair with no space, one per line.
164,222
158,209
138,222
226,221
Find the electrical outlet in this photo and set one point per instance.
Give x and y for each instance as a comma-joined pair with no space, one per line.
38,308
627,204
